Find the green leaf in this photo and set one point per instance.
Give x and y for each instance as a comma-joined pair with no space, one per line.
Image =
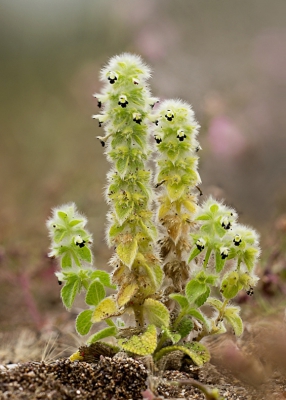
194,253
199,353
185,326
214,208
200,317
230,285
75,222
196,351
70,290
154,273
83,322
103,277
232,317
59,234
156,312
122,165
106,332
180,299
143,344
219,262
249,257
105,309
219,229
175,190
123,210
194,289
211,279
95,293
62,215
127,252
115,230
150,231
66,261
203,297
84,253
125,293
216,303
174,337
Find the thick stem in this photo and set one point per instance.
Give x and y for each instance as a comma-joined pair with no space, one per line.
139,318
207,257
221,313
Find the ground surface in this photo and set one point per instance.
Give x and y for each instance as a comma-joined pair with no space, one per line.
122,379
252,368
244,378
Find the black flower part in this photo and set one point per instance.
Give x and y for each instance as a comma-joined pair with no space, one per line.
250,291
112,77
158,139
122,101
181,135
200,243
156,122
99,104
137,118
237,240
60,282
169,115
225,223
224,252
79,241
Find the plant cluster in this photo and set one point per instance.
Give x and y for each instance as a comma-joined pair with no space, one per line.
174,259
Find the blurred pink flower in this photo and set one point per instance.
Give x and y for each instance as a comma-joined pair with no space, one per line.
224,138
156,42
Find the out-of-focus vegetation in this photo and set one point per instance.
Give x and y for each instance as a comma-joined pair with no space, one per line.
227,58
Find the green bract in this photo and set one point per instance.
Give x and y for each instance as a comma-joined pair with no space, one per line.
172,255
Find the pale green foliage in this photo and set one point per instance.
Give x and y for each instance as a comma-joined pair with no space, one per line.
143,344
203,257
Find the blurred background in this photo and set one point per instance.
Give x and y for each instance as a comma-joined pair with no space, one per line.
226,58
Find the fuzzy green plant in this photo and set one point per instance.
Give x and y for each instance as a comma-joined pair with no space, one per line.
172,256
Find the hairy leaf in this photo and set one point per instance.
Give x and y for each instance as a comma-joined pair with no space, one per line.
180,299
156,312
83,322
219,261
95,293
122,165
105,309
66,261
103,333
185,326
232,317
126,292
194,289
230,285
174,337
196,351
127,252
142,344
70,290
200,317
194,253
216,303
203,297
103,277
83,253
